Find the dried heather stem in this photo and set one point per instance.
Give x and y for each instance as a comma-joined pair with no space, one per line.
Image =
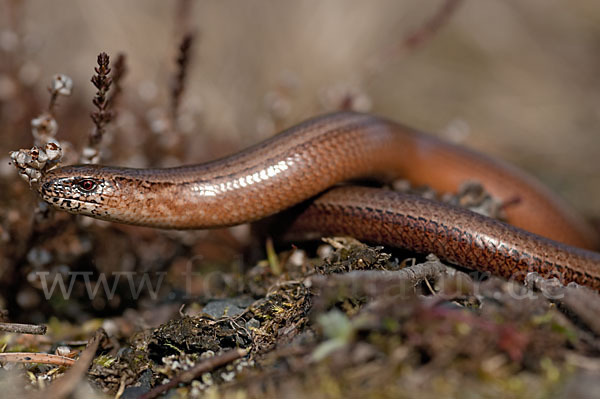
61,85
178,85
416,38
102,80
47,151
431,26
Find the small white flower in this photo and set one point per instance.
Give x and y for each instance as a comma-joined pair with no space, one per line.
43,125
62,84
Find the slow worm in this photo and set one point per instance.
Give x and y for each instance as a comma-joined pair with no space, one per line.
310,158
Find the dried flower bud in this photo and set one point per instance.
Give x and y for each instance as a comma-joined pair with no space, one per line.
36,163
26,158
14,155
33,174
33,163
90,155
42,127
43,157
53,150
61,84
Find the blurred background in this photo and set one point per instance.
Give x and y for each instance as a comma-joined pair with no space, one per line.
519,80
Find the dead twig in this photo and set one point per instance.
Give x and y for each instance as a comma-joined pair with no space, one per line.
23,328
44,358
400,284
64,386
376,282
194,372
418,37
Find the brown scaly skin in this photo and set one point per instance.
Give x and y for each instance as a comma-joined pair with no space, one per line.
305,160
453,234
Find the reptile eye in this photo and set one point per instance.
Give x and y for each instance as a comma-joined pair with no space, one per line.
87,185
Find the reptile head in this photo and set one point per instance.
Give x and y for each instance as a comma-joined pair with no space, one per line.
79,189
